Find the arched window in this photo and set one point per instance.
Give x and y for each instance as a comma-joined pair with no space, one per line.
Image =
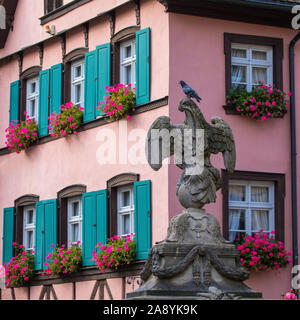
25,221
70,214
121,204
124,56
74,67
30,92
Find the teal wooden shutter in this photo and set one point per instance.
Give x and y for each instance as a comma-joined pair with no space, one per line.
90,86
143,66
39,234
14,101
103,54
8,234
46,231
50,228
56,88
142,218
94,223
44,92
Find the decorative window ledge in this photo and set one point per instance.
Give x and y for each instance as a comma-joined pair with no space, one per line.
99,122
62,10
88,274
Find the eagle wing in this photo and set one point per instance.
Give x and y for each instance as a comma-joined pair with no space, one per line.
221,139
156,147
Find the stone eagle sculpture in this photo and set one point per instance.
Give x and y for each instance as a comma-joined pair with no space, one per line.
196,190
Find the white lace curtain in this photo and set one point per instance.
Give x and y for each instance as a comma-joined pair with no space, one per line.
238,72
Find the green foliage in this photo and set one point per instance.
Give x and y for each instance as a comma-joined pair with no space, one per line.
66,122
261,103
118,251
64,260
20,269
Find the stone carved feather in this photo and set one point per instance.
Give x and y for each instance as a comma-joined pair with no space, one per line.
193,191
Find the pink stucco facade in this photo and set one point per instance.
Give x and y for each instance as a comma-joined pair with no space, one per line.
183,47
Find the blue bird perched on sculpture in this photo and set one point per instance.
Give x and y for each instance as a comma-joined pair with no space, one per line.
190,92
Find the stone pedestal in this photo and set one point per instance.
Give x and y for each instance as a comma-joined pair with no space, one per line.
194,262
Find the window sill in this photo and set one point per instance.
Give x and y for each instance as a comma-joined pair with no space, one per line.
62,10
100,121
87,274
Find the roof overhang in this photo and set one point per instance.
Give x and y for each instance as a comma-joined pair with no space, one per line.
268,12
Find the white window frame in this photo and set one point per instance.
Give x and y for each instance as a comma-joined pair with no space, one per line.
247,205
125,210
77,80
32,97
74,220
249,63
130,61
28,227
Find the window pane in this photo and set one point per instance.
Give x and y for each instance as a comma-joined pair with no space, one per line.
128,74
126,199
74,232
128,52
239,53
237,219
29,239
32,108
260,220
238,73
33,87
78,72
75,209
77,93
259,55
237,193
126,224
259,194
259,75
29,216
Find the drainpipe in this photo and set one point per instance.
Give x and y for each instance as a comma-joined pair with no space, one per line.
293,149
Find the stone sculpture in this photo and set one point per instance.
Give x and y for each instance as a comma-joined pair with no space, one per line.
194,261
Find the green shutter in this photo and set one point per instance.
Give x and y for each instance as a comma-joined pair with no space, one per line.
50,227
39,235
103,54
14,101
90,88
44,92
143,66
142,218
56,88
94,223
8,234
46,231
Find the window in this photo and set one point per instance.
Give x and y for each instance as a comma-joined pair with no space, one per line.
32,99
29,228
51,5
127,62
77,82
121,203
125,210
74,220
70,214
250,59
250,65
253,201
29,102
251,207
